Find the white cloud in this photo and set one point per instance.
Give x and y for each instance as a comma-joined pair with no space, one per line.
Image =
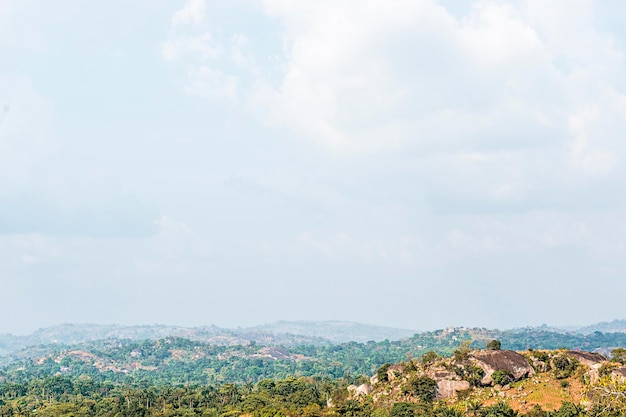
194,12
405,74
202,47
204,67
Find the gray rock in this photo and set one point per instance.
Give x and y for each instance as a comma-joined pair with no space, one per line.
502,360
448,388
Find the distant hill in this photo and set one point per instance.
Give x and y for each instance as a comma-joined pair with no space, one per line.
71,334
178,360
321,333
615,326
280,333
336,331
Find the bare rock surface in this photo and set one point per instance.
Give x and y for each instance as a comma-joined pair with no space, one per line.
449,388
502,360
364,389
586,358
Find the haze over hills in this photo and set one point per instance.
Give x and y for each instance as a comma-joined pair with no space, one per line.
282,333
336,331
279,333
236,359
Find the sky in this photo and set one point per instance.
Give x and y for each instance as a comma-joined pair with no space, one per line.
415,164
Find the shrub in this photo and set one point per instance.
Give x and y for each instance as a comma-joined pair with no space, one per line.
619,355
402,410
569,410
381,373
502,377
473,374
606,368
536,411
564,366
497,410
461,353
423,387
494,345
429,358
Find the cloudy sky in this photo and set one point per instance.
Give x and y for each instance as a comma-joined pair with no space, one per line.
415,164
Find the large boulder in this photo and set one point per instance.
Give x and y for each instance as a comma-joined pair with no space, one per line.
449,388
394,371
502,360
363,389
448,383
586,358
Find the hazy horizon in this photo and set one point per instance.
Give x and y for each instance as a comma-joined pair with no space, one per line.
559,326
416,164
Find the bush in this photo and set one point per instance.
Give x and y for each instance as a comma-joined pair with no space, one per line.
447,412
607,368
564,366
473,374
618,355
502,377
569,410
462,353
536,411
494,345
423,387
497,410
381,373
402,410
429,358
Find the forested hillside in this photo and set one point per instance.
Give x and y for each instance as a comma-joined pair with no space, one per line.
179,361
482,383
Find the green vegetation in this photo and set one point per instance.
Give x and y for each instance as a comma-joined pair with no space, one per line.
90,388
494,345
502,377
422,387
564,366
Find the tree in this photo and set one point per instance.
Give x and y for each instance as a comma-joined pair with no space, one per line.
619,355
381,373
494,345
429,358
462,353
423,387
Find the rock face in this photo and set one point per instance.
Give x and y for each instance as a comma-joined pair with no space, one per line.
448,388
586,358
363,389
502,360
394,371
448,383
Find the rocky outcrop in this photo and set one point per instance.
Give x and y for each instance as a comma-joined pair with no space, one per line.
449,388
363,389
539,365
448,383
394,371
586,358
502,360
